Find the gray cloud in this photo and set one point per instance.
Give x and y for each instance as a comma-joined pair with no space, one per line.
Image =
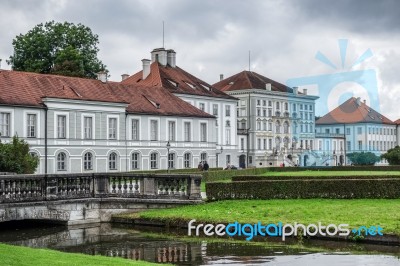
213,37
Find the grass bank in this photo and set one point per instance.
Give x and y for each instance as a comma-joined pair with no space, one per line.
355,212
21,256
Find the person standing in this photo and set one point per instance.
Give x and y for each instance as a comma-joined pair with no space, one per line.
200,166
206,166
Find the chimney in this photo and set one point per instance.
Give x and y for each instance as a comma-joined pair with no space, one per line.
102,76
268,86
221,77
159,55
305,91
171,58
358,101
365,102
295,90
0,62
124,76
146,68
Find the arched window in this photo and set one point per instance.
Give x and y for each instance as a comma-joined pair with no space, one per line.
286,127
88,161
277,127
187,160
112,161
61,162
135,160
277,142
154,160
277,105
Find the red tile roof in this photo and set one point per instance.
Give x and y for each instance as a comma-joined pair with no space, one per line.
28,89
175,80
350,112
247,80
397,121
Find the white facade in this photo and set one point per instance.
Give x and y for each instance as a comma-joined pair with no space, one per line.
89,136
274,127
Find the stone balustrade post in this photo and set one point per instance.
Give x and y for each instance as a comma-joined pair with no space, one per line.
101,185
194,189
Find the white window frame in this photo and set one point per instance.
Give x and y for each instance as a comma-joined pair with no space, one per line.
10,122
175,122
157,137
83,118
58,162
137,136
190,131
154,163
109,117
114,161
88,164
215,109
56,115
227,110
203,131
37,123
187,162
135,161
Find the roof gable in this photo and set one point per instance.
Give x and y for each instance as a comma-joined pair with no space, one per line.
353,111
247,80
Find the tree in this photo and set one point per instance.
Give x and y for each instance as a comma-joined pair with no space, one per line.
363,158
15,157
392,156
57,48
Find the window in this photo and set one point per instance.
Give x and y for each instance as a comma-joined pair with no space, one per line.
264,103
270,126
286,106
202,106
186,160
135,129
337,130
347,131
265,144
270,103
87,127
171,130
61,162
301,107
228,159
203,132
228,136
171,160
258,102
258,144
286,127
265,126
112,161
258,125
112,128
269,112
135,160
265,112
153,130
270,144
227,110
348,146
153,160
294,107
61,126
5,124
88,161
187,133
203,157
31,126
360,145
359,130
277,105
242,144
278,127
215,109
327,130
258,112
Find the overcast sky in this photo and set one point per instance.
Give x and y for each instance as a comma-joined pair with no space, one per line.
214,37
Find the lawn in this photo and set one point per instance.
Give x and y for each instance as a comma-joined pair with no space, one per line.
21,256
355,212
332,173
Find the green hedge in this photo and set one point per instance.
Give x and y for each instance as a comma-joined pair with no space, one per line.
335,168
266,178
211,176
303,189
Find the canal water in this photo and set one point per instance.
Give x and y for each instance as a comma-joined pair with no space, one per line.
156,245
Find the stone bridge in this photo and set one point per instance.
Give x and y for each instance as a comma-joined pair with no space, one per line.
91,198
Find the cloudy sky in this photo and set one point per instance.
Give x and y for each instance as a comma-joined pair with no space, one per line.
214,37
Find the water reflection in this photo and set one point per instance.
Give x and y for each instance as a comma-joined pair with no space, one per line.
136,244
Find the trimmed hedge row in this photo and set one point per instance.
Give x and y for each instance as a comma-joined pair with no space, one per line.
336,168
211,176
303,189
270,178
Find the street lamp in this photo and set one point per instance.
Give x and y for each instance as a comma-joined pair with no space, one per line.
168,147
218,153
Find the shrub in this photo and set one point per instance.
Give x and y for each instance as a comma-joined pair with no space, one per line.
302,189
260,177
392,156
363,158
